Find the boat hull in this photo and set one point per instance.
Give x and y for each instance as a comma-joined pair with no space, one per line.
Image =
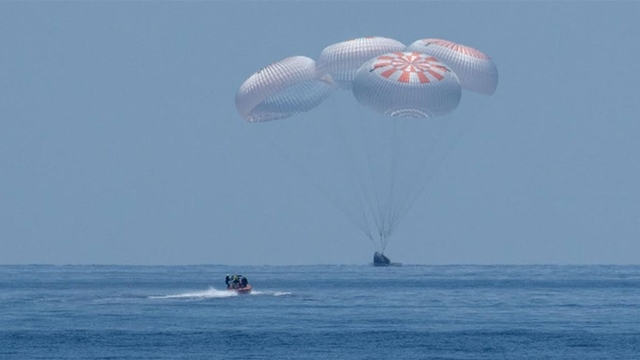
245,290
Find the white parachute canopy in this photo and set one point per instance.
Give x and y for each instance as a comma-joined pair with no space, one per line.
282,89
407,84
371,166
342,60
476,71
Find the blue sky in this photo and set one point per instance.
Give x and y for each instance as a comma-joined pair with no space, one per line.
120,142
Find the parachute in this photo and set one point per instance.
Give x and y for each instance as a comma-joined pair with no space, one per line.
406,84
341,61
475,70
387,148
282,89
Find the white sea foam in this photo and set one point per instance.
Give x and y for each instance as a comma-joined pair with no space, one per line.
270,293
211,293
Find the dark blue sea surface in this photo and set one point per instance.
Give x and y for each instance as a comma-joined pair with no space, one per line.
320,312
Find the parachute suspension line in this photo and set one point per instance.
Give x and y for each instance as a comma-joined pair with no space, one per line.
419,186
395,158
464,125
357,182
400,194
409,196
326,194
375,214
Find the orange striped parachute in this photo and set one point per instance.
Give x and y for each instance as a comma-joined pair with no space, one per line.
407,84
476,71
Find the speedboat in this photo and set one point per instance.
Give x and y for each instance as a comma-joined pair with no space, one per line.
238,283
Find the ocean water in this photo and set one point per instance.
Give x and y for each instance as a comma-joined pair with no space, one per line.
320,312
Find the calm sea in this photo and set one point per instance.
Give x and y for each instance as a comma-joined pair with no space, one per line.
320,312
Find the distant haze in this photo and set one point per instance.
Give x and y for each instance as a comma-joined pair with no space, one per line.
120,142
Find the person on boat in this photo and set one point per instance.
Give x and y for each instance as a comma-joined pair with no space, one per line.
241,281
227,279
244,282
235,281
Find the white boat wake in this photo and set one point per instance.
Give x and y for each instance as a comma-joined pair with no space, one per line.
270,293
213,293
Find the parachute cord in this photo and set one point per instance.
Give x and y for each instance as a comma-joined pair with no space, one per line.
376,215
372,241
357,182
413,196
387,211
395,159
385,241
326,194
430,153
405,195
465,125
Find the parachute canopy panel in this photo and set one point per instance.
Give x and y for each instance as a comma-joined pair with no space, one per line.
282,89
342,60
475,70
407,84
